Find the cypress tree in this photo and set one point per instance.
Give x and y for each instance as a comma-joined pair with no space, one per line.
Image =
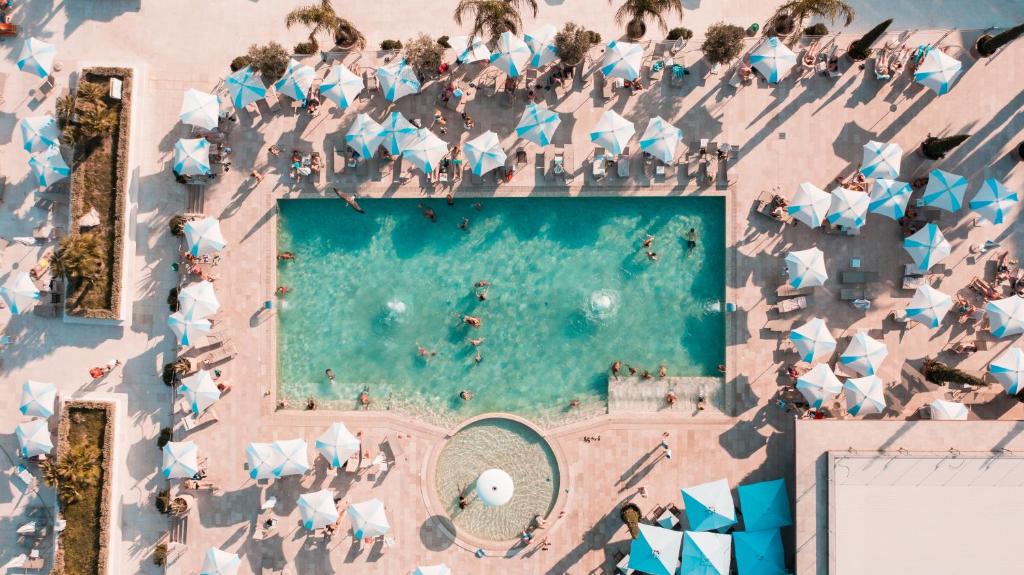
861,49
988,45
937,148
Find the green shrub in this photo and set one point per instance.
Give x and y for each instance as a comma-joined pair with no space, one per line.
860,49
164,437
240,62
177,225
677,33
390,45
595,38
443,42
572,43
271,60
163,501
940,373
424,54
160,554
305,48
172,300
818,29
723,42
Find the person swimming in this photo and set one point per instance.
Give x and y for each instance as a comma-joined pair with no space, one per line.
466,395
615,368
647,241
476,341
330,374
652,256
691,238
472,321
364,397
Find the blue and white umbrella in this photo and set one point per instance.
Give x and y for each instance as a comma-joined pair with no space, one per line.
849,208
39,133
655,550
199,390
368,519
927,246
512,54
398,133
192,157
612,131
245,87
759,552
806,268
929,306
765,505
661,139
204,237
993,200
889,198
296,82
427,151
538,124
341,86
292,457
484,153
881,160
364,136
944,190
542,45
864,354
181,459
469,49
622,60
1006,316
37,398
1008,369
261,459
217,562
398,79
773,59
34,438
813,340
188,329
937,71
318,509
943,410
440,569
20,293
200,109
864,395
819,385
337,444
810,204
709,506
198,299
49,167
37,57
706,553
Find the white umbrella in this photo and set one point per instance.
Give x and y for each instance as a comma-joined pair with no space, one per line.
39,133
427,151
773,59
192,157
927,246
889,198
538,124
542,45
881,160
296,82
441,569
864,354
1006,316
318,509
368,519
200,391
292,457
655,551
468,50
929,306
36,57
943,410
484,153
819,385
261,459
200,109
49,166
337,444
810,204
660,139
937,71
612,131
217,562
198,299
341,86
1008,369
34,438
204,237
813,340
848,208
993,200
512,54
622,60
20,293
188,329
37,398
494,487
398,133
245,87
706,553
806,268
364,136
864,395
944,190
181,459
398,79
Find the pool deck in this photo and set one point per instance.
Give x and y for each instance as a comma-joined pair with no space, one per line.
806,129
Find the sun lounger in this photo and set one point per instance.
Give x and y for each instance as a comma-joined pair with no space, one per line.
780,325
622,165
219,355
786,290
858,277
764,207
789,305
549,164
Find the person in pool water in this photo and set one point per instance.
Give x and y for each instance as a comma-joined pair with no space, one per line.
691,238
330,374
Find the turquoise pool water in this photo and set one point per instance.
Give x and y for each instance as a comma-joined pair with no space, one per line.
572,290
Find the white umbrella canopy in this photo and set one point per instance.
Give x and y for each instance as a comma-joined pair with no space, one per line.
512,54
622,60
337,444
927,246
188,329
889,198
37,398
937,71
864,354
368,519
943,410
364,136
181,459
993,200
1006,316
929,306
469,50
292,457
262,460
661,139
200,109
945,191
484,153
245,87
398,133
49,166
204,237
538,124
20,293
612,131
397,80
706,553
192,157
199,390
36,57
881,160
218,562
495,487
441,569
297,81
864,395
806,268
39,133
810,204
318,509
819,385
34,438
772,59
812,340
341,86
198,299
542,45
848,208
1008,369
427,151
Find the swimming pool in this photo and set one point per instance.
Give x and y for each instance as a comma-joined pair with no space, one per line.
571,291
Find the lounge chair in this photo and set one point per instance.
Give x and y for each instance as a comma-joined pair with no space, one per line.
606,87
779,325
793,304
786,290
622,165
549,165
219,355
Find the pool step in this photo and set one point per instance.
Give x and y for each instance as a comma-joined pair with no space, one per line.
634,394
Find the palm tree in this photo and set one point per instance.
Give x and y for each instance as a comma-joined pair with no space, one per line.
633,13
76,469
97,121
90,92
794,13
491,18
322,19
78,257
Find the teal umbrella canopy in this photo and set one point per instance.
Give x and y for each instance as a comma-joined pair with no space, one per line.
245,87
341,86
759,552
881,160
765,505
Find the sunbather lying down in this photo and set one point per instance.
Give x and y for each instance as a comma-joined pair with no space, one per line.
986,290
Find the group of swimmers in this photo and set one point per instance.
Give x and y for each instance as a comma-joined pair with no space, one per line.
691,242
618,365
